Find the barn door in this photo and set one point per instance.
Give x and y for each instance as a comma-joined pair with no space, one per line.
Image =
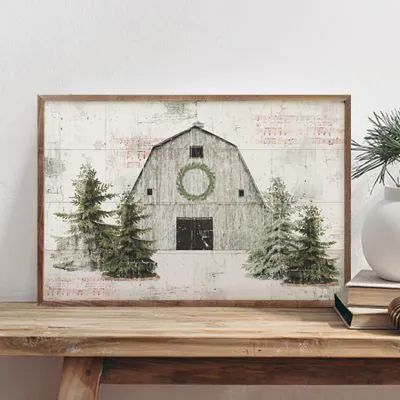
194,233
203,234
184,233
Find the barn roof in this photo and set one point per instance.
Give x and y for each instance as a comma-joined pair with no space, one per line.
195,126
199,127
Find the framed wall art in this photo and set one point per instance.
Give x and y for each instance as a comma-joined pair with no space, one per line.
193,200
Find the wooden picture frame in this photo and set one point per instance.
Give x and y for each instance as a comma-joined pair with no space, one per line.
43,100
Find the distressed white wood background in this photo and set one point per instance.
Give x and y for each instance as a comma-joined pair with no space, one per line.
300,141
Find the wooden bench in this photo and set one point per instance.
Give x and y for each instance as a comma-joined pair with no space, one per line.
167,345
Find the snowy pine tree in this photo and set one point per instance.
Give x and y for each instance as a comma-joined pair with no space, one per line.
130,256
89,235
311,264
269,259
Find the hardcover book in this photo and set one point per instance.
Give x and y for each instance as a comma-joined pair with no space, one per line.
361,317
368,289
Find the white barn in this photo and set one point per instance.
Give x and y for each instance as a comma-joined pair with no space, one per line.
199,194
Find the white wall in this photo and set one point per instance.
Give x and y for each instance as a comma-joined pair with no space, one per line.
176,46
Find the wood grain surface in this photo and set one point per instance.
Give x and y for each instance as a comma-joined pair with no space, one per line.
347,189
28,329
190,97
80,379
244,371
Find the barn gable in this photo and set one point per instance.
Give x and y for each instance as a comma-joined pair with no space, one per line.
198,127
199,194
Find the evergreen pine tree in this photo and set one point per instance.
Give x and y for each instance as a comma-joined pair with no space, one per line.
269,259
130,257
310,264
89,235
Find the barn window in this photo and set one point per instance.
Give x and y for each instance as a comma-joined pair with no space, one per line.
196,151
241,192
149,192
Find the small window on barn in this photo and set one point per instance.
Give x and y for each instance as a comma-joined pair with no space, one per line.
149,192
241,192
196,151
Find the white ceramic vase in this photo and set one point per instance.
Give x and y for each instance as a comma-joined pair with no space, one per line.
381,236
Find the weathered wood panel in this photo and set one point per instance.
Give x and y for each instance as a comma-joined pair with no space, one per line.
235,218
244,371
299,138
80,378
186,332
233,224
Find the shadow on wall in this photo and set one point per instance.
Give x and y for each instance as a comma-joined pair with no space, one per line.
18,234
29,378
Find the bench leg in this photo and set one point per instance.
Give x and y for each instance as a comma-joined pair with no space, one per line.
80,378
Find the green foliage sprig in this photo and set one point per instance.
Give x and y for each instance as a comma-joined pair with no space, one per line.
382,148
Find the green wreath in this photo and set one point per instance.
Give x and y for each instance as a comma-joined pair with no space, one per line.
181,188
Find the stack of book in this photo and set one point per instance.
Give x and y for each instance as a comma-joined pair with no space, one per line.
363,303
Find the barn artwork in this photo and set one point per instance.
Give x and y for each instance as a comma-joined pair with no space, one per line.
193,198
